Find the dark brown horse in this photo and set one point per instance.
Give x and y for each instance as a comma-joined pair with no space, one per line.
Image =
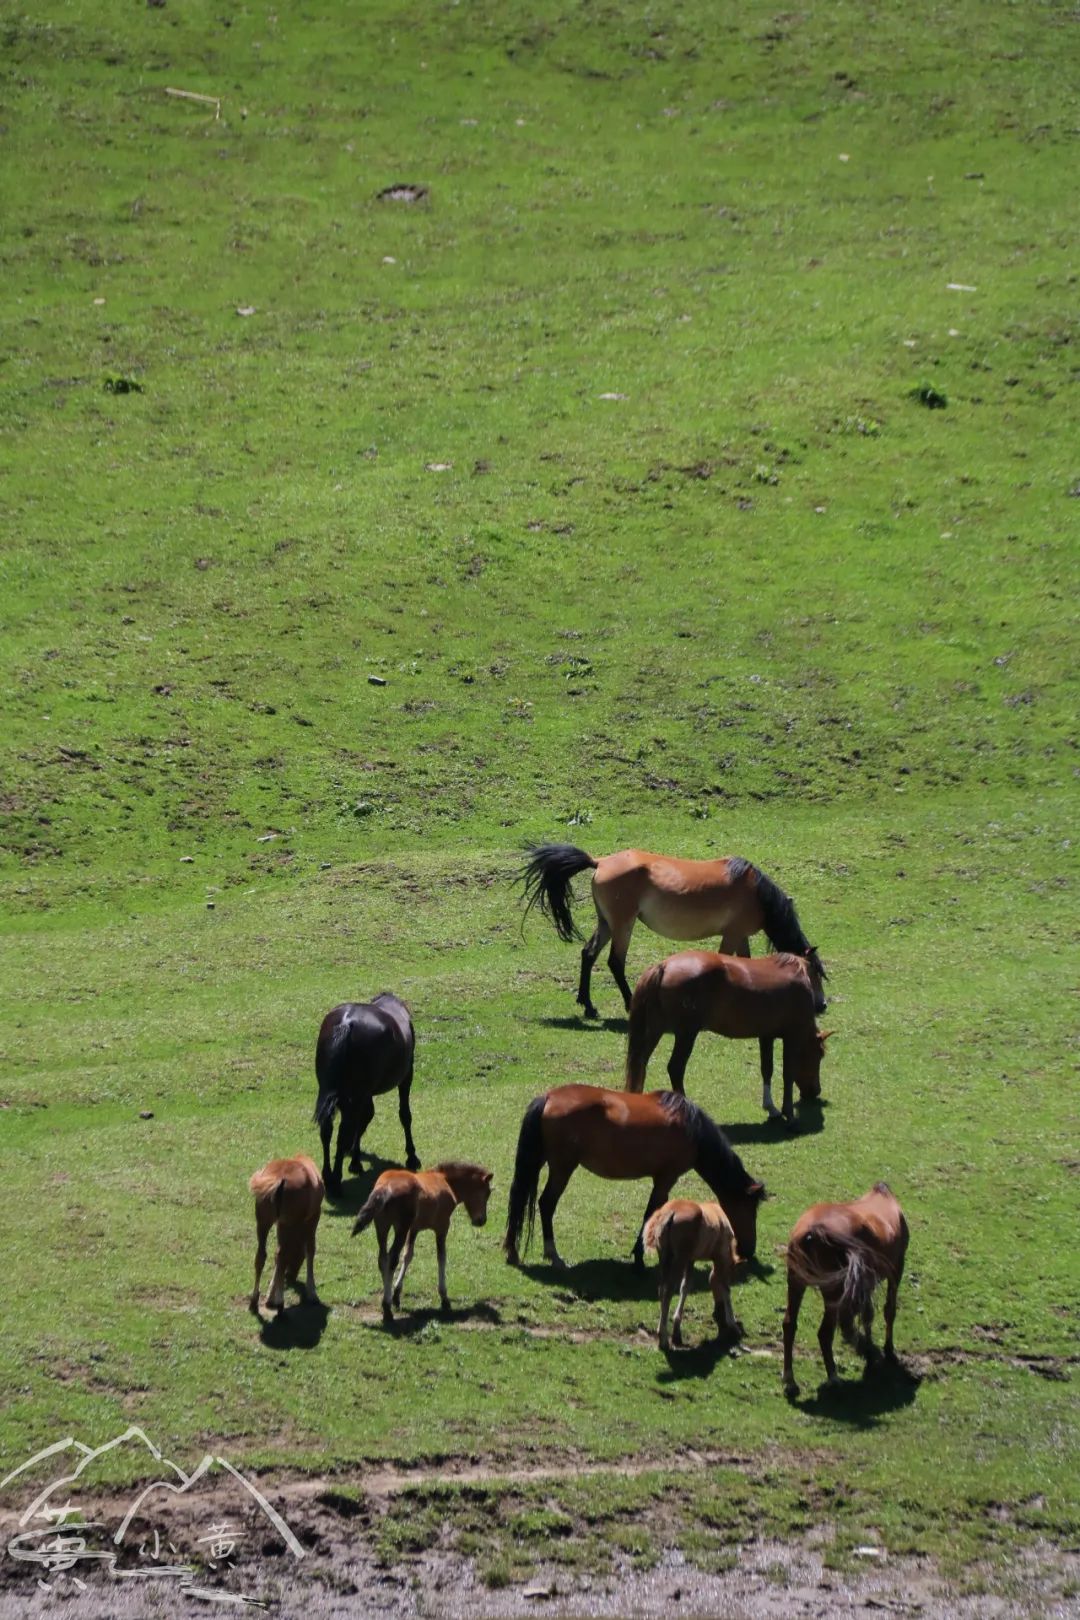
771,997
845,1250
678,899
623,1138
364,1049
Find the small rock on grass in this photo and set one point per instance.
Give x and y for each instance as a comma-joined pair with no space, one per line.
146,1113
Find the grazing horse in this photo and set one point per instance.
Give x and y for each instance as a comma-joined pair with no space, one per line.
678,899
364,1049
623,1137
845,1250
768,996
681,1232
407,1204
288,1195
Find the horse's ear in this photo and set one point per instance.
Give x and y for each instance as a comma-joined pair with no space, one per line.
489,1176
825,1034
756,1191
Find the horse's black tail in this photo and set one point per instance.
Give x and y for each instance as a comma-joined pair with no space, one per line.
328,1056
528,1163
325,1107
640,1044
547,877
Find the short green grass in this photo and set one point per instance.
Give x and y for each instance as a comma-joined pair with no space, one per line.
764,601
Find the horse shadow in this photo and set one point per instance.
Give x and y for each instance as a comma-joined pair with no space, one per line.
619,1026
809,1121
298,1327
885,1386
355,1189
697,1360
597,1279
404,1325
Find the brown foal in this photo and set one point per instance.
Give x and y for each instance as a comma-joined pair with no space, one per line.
845,1250
288,1195
406,1202
681,1232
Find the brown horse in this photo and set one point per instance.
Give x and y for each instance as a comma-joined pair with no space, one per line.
288,1195
681,1232
771,997
675,898
406,1203
623,1138
845,1250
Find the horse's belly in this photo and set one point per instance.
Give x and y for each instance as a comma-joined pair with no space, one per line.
685,916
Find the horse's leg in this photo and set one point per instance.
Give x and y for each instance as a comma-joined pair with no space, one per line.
891,1292
558,1176
309,1284
389,1285
406,1261
765,1045
787,1058
723,1315
684,1284
680,1057
346,1136
440,1250
795,1292
865,1342
326,1131
412,1159
620,944
386,1271
658,1196
825,1339
262,1228
588,957
363,1114
275,1299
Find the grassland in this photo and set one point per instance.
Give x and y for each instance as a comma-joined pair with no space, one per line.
268,438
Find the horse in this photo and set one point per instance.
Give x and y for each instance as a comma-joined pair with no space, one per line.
771,997
424,1202
364,1048
678,899
845,1250
288,1195
681,1232
623,1137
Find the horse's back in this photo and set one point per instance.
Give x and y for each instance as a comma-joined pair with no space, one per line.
376,1037
735,996
875,1218
617,1135
293,1185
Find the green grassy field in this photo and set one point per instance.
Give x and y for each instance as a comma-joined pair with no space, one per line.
612,459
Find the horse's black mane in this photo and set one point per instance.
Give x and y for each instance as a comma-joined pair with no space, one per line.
781,921
717,1163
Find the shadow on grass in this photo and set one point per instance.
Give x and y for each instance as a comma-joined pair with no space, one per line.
408,1322
298,1327
596,1279
698,1360
355,1189
885,1386
618,1025
809,1121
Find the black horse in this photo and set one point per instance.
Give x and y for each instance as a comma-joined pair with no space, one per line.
364,1049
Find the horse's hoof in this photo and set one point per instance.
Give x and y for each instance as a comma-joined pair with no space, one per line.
791,1389
387,1313
253,1304
355,1167
512,1257
412,1162
445,1307
676,1338
589,1011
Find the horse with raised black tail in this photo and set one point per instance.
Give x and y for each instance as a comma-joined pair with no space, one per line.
623,1136
678,899
364,1049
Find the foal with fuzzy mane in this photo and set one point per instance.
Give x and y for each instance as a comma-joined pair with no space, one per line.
288,1195
681,1232
407,1202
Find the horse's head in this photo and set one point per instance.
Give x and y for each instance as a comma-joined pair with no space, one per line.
808,1079
741,1210
816,969
473,1193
